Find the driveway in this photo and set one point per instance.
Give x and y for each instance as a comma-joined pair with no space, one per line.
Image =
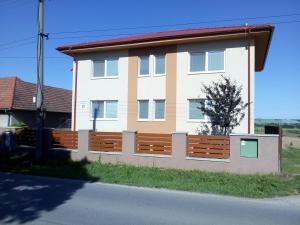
41,200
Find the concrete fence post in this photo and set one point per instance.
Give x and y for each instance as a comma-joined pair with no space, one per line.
179,146
128,143
83,144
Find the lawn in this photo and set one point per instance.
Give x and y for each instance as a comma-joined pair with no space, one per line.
291,161
253,186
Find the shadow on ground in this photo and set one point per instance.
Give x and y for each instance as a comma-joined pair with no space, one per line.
24,198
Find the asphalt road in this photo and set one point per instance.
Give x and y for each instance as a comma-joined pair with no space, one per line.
41,200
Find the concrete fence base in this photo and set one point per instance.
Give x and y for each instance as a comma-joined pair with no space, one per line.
267,160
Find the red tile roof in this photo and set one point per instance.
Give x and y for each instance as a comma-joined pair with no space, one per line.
7,87
188,33
17,94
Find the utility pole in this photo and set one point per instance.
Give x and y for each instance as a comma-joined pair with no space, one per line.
40,83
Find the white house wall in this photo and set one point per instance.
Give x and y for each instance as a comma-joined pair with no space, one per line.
89,88
189,86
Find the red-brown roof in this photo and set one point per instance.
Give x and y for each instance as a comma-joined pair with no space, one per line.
188,33
18,94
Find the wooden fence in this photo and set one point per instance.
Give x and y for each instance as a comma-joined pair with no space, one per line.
26,137
149,143
106,141
208,146
64,139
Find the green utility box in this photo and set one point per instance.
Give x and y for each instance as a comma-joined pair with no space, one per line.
249,148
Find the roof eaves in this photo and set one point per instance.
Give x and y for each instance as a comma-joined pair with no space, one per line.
268,47
164,36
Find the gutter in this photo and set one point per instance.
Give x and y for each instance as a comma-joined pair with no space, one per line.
75,95
249,92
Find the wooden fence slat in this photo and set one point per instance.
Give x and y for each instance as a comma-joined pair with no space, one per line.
64,139
152,143
208,146
106,141
153,135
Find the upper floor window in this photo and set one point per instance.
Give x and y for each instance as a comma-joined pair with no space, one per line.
215,60
160,64
197,61
209,61
144,66
104,109
106,68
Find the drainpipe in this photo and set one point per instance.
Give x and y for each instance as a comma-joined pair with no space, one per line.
249,85
75,96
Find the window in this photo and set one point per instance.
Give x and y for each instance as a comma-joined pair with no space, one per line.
197,62
111,109
160,64
144,66
206,61
106,68
99,69
104,109
159,109
112,67
215,60
143,106
194,112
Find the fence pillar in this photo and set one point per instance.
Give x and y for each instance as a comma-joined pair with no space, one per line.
179,145
83,144
128,143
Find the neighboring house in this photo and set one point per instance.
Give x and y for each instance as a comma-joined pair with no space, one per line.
16,104
152,82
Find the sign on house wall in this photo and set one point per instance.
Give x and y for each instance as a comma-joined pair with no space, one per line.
84,107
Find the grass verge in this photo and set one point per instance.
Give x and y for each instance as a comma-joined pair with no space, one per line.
254,186
291,161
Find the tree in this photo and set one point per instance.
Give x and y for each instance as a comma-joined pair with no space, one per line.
224,106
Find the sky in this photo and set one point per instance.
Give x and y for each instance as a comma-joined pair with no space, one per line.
277,87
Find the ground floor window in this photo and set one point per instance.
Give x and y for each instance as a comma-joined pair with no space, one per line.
194,113
143,109
104,109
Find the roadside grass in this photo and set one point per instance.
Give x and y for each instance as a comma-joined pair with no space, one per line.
252,186
291,161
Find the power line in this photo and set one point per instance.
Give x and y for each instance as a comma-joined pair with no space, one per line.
101,35
178,24
127,34
18,40
19,45
31,57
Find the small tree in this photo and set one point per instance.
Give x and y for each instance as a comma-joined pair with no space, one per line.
224,106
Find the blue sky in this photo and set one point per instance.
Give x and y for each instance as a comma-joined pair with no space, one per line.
277,87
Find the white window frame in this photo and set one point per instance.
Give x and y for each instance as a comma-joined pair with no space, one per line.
154,119
105,69
205,119
206,62
104,110
154,66
139,66
138,112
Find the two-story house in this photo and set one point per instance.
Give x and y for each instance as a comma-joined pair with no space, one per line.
152,82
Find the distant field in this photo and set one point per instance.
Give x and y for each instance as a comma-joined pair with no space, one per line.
291,134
